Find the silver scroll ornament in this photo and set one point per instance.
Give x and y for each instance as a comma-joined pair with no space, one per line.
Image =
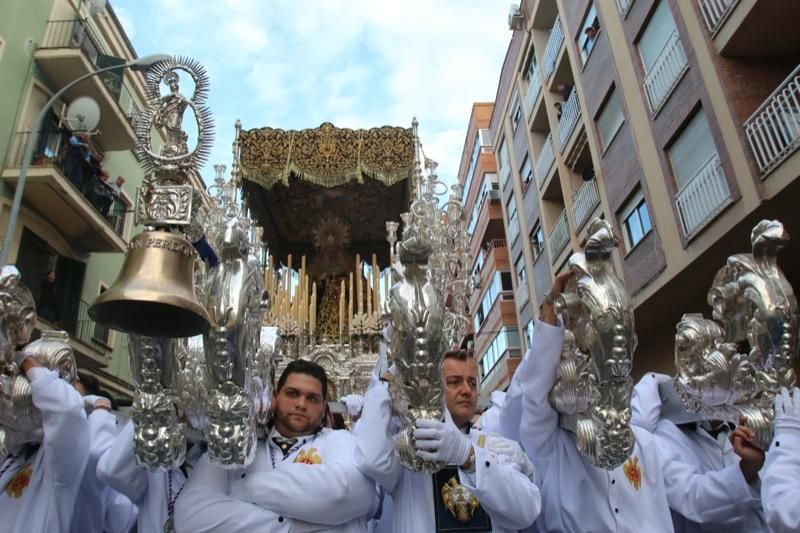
753,304
234,295
159,442
593,389
430,267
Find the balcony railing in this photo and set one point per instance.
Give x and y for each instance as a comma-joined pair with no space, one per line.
773,131
624,6
76,33
584,203
53,150
534,89
546,159
715,12
553,46
570,113
71,314
663,76
703,196
559,237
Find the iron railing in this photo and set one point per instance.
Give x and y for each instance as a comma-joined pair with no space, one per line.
773,131
553,46
71,314
53,149
570,114
534,89
546,159
705,195
559,236
585,201
663,76
715,12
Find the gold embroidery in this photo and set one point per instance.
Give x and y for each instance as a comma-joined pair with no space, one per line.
461,503
19,482
308,457
633,472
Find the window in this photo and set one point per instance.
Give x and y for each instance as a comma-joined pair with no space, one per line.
503,163
473,160
519,266
659,29
530,71
588,35
501,281
635,220
513,223
515,110
537,240
506,338
692,149
610,119
526,172
529,334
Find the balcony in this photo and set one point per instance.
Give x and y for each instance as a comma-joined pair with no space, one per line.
584,203
773,131
559,237
89,340
715,12
546,159
705,195
554,43
69,50
534,90
665,73
89,218
570,114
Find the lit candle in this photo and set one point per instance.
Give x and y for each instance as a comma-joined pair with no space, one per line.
350,303
376,284
313,307
369,297
359,288
341,307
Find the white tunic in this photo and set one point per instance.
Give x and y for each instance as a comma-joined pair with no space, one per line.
315,488
579,497
780,488
94,500
510,498
46,504
148,490
702,453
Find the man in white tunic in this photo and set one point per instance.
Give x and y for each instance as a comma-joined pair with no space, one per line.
490,478
40,483
154,493
302,478
703,447
579,497
780,489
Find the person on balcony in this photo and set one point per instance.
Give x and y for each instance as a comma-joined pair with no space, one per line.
46,308
76,160
102,195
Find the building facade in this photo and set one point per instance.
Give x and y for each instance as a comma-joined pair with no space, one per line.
494,334
73,231
678,121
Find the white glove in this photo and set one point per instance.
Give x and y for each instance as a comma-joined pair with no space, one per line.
787,411
92,402
441,442
510,453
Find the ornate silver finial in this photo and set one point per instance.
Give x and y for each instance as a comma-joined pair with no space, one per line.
593,390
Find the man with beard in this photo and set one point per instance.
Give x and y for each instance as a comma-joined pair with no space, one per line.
487,484
302,478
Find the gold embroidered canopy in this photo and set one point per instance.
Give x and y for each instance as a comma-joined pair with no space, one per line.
292,179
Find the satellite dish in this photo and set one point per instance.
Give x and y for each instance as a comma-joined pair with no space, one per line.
83,114
96,6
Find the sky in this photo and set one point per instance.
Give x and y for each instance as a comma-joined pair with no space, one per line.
356,63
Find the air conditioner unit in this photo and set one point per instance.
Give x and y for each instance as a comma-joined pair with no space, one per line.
515,19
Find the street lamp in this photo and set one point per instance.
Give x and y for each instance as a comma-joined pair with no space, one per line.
141,64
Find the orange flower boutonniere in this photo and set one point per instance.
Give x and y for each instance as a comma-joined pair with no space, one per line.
308,457
633,472
19,482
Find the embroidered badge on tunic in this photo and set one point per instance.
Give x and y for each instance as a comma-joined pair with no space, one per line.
633,472
456,509
308,457
19,482
461,503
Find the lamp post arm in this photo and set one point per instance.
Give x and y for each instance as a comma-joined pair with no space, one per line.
28,155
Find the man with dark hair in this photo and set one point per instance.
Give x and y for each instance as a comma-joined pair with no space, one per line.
302,477
487,483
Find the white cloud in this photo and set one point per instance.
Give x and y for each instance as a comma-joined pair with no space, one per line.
356,63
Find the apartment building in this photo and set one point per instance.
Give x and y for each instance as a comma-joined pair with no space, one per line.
494,333
70,238
678,121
